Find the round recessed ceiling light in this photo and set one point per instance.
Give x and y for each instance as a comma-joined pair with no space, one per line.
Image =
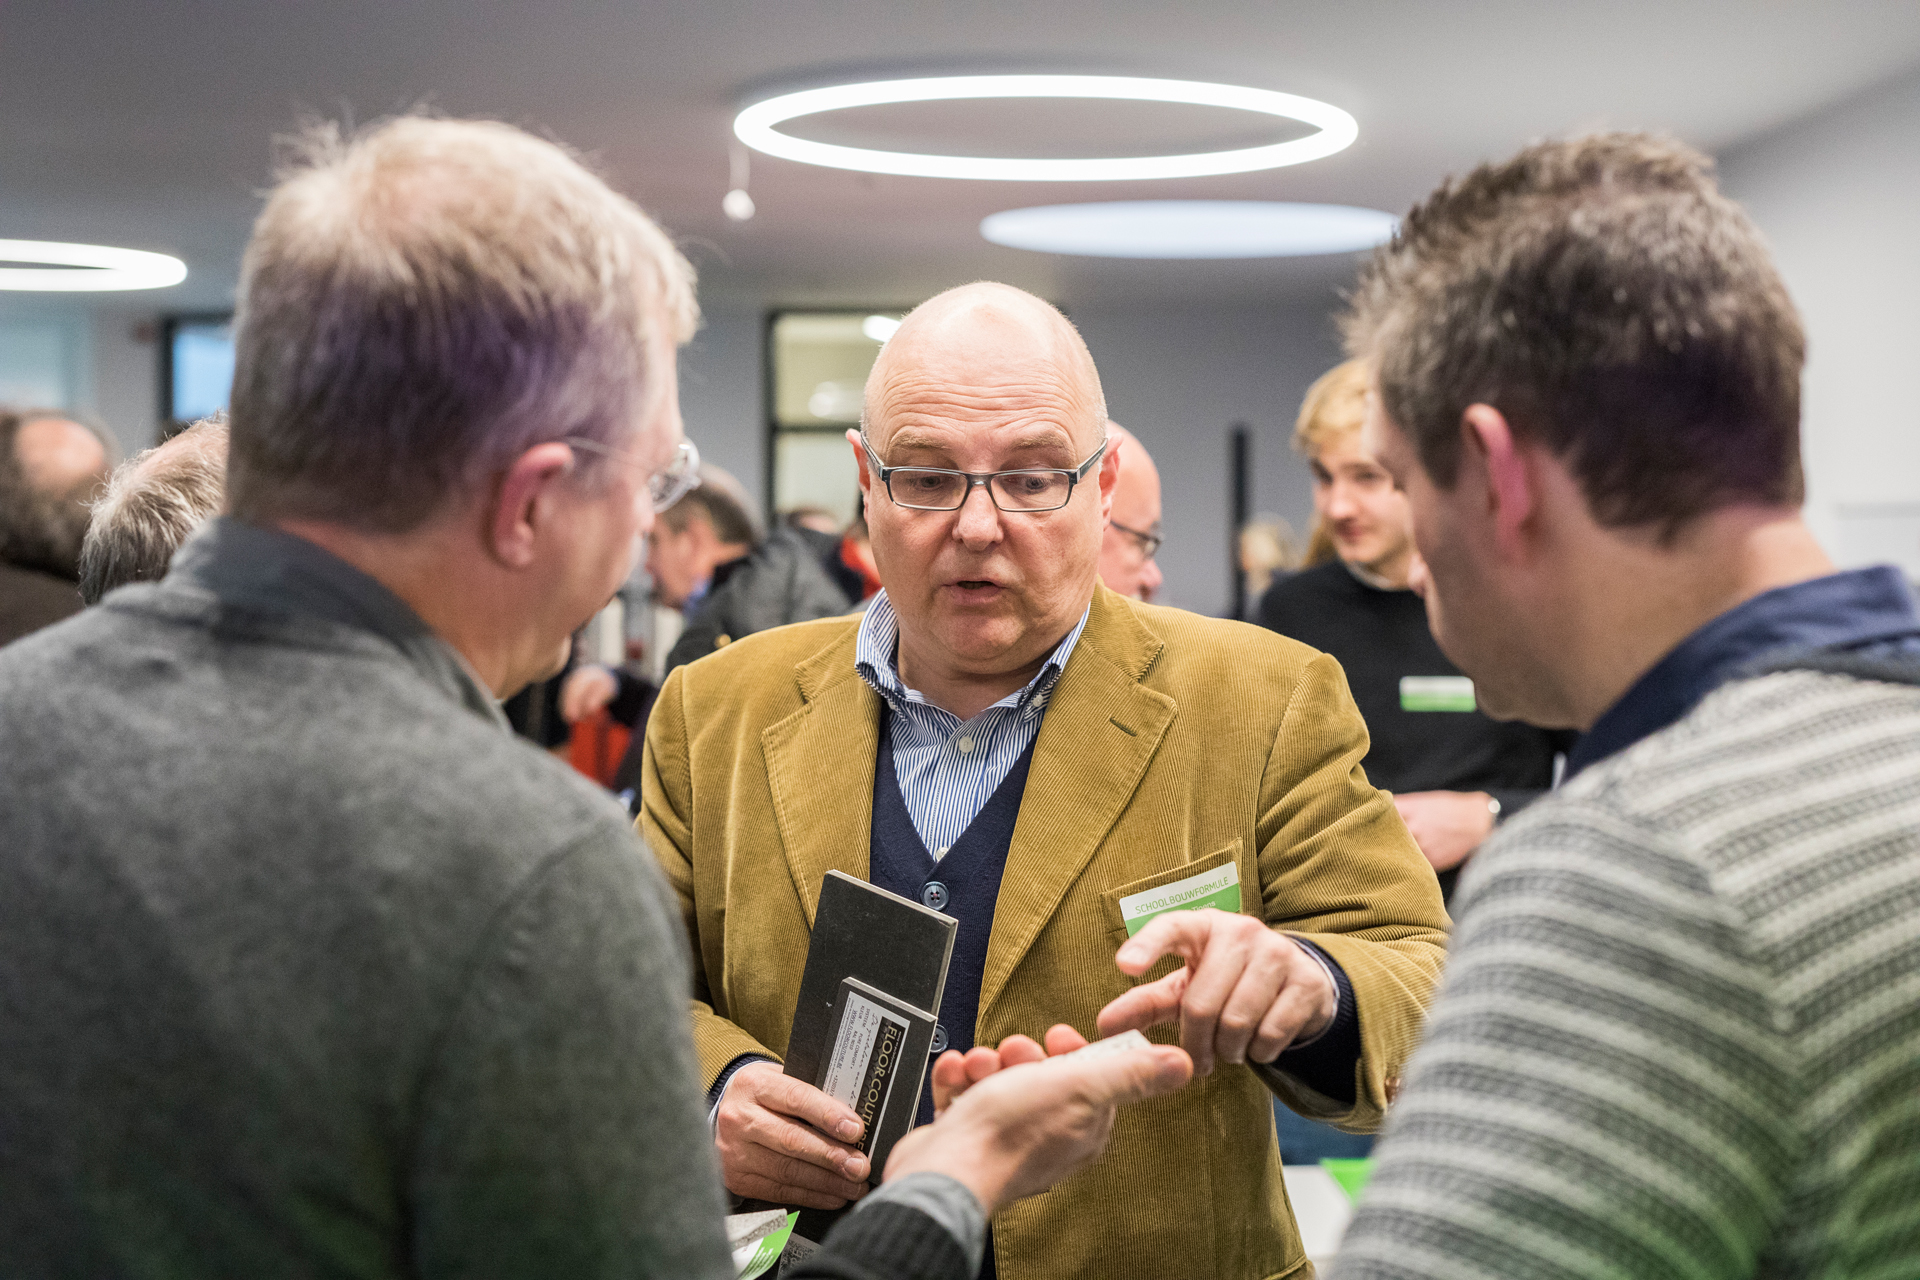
1190,229
1336,130
70,268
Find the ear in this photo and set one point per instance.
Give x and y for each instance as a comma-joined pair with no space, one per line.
860,461
526,503
1504,467
1109,477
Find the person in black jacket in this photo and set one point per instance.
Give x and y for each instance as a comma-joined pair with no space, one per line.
708,559
1455,773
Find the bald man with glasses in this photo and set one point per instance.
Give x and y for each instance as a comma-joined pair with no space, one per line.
1133,536
1062,770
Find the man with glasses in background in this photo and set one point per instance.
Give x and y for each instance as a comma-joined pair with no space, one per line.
1060,769
1133,535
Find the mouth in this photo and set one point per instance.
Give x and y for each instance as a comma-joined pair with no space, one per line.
975,590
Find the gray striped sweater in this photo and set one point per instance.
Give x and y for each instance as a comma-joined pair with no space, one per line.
1679,1033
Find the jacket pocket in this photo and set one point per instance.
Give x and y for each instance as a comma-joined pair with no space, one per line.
1110,900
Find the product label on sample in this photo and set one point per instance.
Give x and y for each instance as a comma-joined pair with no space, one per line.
765,1246
1219,887
1437,693
865,1059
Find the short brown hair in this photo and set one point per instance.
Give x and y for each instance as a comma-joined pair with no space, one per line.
722,502
1605,297
422,302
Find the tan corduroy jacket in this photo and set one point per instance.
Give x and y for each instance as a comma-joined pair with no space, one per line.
1173,744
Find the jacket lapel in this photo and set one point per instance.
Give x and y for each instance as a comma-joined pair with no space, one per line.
1094,745
820,765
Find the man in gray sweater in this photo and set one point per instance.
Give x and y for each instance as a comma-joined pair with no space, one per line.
1679,1033
306,966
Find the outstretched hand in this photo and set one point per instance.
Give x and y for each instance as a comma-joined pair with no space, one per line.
955,1073
1014,1121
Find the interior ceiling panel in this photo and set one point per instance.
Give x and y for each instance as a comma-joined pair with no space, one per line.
149,126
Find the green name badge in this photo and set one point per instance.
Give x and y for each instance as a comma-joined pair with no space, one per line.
1219,887
1437,693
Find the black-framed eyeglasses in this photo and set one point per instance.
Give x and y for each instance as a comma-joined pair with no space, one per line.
1150,543
938,489
666,486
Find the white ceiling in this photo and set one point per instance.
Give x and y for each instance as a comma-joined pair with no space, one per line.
148,125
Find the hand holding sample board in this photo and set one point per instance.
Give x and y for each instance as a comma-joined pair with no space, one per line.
869,999
863,1023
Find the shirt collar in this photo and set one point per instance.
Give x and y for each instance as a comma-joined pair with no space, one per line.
277,573
879,640
1368,578
1839,611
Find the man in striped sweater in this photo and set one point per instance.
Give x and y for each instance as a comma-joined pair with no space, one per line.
1680,1030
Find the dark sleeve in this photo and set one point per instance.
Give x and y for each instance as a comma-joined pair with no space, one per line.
1513,799
632,696
560,1131
885,1242
1326,1065
728,1072
703,628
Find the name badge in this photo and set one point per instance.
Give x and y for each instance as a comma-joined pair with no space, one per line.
1437,693
1219,887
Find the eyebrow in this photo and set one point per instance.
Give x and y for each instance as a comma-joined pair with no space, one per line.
909,438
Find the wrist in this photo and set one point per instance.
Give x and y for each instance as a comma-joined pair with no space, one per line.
1491,803
963,1153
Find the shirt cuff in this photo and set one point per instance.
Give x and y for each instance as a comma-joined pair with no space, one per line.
719,1090
1342,993
947,1202
1325,1062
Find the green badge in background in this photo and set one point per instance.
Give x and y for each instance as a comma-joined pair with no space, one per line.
1436,693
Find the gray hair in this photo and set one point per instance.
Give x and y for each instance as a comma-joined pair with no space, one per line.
423,302
153,501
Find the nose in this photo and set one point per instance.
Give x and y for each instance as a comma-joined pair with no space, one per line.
977,523
1340,503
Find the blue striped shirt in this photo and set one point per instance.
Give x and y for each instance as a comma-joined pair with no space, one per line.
949,768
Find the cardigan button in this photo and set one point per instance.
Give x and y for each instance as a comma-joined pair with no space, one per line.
939,1038
935,894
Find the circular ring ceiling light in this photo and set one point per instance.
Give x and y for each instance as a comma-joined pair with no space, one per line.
1190,229
85,268
1336,130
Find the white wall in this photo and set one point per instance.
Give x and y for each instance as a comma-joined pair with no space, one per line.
1838,197
1180,379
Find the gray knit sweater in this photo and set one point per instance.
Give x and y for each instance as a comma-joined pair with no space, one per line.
1679,1033
308,968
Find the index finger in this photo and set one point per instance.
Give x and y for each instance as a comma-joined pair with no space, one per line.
820,1109
1177,932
